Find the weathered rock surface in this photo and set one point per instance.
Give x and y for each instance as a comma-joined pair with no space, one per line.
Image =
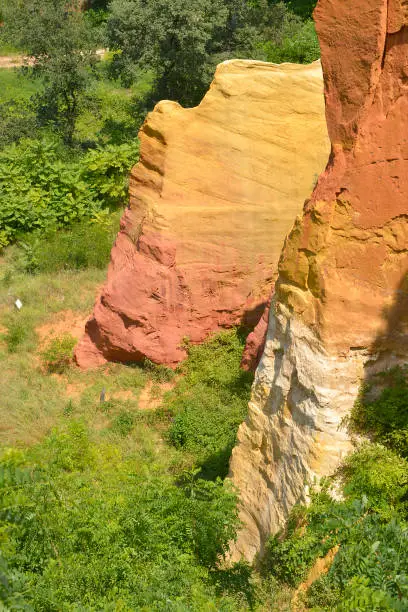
214,194
341,308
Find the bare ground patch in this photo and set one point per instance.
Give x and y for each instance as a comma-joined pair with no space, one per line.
151,396
64,322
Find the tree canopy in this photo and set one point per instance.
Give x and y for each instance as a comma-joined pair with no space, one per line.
182,42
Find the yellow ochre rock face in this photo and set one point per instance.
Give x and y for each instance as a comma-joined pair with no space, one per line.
215,192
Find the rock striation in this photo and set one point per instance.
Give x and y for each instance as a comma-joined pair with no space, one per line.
215,192
340,310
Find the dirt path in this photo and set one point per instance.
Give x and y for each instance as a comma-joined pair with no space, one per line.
15,61
11,61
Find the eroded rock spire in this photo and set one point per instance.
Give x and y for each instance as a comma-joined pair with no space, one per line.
341,304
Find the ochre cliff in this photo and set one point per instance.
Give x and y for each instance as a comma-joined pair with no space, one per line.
215,192
340,309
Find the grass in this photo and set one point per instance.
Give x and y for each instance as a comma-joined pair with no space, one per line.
14,85
213,384
9,50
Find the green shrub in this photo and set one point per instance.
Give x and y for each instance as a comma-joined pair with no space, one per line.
159,373
84,245
210,402
16,334
57,356
298,43
17,122
20,331
106,170
122,424
368,525
358,595
40,189
97,530
385,419
379,474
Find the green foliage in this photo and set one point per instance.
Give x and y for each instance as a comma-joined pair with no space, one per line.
39,189
371,549
304,8
291,553
182,42
95,530
84,245
159,373
57,356
20,332
210,402
297,42
17,122
17,333
106,170
111,114
55,35
17,117
381,475
175,40
123,423
385,418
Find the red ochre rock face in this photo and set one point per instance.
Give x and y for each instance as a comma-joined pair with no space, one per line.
215,192
344,265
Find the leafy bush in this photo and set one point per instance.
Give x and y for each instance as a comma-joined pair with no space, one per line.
39,189
297,43
17,122
19,331
210,402
57,356
105,172
379,474
370,569
84,245
159,373
123,423
16,334
370,548
385,419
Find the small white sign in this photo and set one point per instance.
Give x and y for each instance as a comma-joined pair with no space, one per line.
18,304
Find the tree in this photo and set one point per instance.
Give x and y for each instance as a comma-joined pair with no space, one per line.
303,8
173,38
54,36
